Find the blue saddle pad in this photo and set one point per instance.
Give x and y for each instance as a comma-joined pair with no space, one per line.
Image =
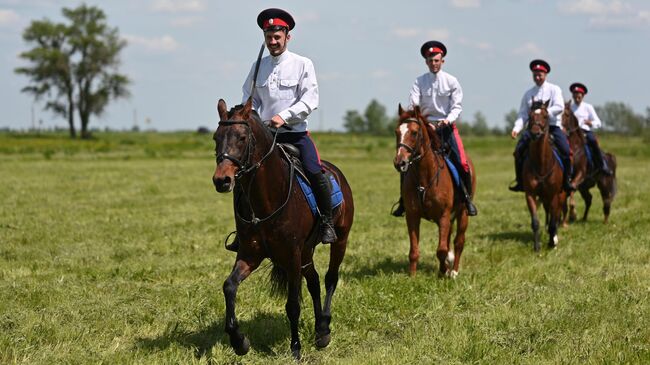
453,170
337,195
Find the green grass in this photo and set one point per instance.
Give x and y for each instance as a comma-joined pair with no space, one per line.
111,252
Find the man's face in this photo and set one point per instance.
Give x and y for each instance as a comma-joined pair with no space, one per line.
434,62
276,41
577,97
539,77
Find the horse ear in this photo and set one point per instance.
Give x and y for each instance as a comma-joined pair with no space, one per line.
400,110
416,109
222,110
547,102
247,108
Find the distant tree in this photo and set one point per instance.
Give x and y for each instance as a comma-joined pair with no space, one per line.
353,122
510,119
78,62
376,118
620,117
480,126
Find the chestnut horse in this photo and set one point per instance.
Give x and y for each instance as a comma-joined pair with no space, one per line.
276,222
428,190
585,176
542,175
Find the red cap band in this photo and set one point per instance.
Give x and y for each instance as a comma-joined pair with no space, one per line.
539,67
433,50
274,22
578,89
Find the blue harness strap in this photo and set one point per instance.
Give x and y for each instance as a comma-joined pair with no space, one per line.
337,195
557,157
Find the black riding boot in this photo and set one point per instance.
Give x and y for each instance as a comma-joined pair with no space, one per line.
323,193
600,161
567,185
519,186
466,188
399,211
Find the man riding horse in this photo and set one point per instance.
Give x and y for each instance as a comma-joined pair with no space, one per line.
542,91
588,121
439,96
286,93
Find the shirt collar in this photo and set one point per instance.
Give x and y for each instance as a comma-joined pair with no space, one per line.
276,60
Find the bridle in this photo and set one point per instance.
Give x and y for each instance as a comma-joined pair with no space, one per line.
532,122
247,167
415,150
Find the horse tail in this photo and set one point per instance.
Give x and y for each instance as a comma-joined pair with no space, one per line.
278,282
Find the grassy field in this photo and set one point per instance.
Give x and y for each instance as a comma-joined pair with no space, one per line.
111,251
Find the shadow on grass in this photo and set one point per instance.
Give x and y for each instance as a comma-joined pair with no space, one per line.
524,236
264,332
391,266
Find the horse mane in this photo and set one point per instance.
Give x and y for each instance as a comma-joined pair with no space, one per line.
254,116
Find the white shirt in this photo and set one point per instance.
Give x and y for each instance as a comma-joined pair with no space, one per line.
439,96
585,111
545,92
286,86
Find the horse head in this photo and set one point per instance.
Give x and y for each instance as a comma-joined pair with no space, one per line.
234,143
569,120
538,118
411,136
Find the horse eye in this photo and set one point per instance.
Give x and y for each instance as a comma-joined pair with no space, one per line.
414,133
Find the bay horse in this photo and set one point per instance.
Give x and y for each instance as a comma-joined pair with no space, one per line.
542,175
276,222
585,176
428,190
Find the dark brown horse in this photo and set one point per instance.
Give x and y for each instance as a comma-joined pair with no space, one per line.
275,222
428,190
542,175
585,176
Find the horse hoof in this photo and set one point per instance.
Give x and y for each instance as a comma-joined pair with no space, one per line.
243,348
452,274
323,340
450,259
553,243
296,354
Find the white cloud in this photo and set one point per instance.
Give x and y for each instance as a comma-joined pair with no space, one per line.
406,32
594,7
481,45
528,49
186,21
176,6
438,34
466,3
626,22
161,44
8,18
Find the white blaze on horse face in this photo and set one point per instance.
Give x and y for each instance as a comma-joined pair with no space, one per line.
538,111
403,130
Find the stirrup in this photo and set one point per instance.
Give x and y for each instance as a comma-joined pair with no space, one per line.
516,187
234,245
399,211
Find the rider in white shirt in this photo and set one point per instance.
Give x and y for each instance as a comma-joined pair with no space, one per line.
588,121
286,92
542,91
440,97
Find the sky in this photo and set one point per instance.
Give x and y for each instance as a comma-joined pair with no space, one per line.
184,55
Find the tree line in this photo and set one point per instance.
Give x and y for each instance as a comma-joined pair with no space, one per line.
617,117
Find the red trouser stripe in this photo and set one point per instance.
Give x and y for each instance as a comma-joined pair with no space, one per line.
461,148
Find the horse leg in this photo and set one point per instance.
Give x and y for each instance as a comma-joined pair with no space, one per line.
337,252
459,244
241,270
444,226
586,196
555,209
534,222
606,187
413,225
313,285
292,307
572,208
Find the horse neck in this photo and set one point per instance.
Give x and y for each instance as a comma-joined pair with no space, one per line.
541,151
430,162
265,186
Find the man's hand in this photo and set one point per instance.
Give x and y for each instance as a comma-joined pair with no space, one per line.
514,134
445,121
588,122
277,121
